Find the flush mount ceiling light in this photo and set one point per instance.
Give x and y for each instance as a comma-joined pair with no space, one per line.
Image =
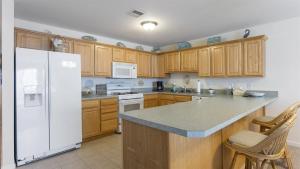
149,25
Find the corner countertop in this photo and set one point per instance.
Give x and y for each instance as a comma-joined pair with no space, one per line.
199,118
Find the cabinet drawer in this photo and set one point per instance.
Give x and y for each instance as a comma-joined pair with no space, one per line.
182,98
109,109
166,97
109,116
90,104
150,96
105,102
109,125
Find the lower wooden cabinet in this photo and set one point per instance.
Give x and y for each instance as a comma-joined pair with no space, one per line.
99,117
150,100
90,118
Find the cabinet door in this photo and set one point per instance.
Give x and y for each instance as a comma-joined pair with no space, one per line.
254,56
161,66
103,60
234,59
32,40
189,61
87,54
204,57
154,66
182,98
70,45
144,64
130,56
173,62
119,55
218,60
90,123
150,100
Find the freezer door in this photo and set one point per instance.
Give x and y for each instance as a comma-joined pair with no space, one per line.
32,126
65,100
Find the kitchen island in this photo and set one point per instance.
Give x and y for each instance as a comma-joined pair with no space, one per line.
188,135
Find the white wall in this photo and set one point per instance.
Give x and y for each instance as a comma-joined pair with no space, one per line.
8,84
73,33
282,67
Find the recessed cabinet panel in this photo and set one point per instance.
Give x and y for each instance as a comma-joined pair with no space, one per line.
218,61
103,61
254,57
172,62
189,61
32,40
87,54
234,59
204,57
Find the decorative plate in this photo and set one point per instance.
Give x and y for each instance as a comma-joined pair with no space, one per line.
120,44
139,48
183,45
89,38
212,40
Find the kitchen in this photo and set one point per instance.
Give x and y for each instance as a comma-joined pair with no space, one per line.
122,87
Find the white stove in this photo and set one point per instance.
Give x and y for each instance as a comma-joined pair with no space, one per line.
128,100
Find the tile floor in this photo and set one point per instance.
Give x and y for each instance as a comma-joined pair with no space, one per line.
104,153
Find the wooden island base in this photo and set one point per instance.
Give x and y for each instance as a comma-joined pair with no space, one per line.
149,148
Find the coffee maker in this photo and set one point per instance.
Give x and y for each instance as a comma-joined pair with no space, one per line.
158,86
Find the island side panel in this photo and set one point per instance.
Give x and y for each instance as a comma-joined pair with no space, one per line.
242,124
195,153
144,147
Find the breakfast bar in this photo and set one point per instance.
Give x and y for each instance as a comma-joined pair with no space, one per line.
188,135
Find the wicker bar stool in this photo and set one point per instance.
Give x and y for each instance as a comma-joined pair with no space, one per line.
267,122
261,148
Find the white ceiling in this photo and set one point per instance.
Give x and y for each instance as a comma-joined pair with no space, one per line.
179,20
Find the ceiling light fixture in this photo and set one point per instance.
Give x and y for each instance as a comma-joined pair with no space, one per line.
149,25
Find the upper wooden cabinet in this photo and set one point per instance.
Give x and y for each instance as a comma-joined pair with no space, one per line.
87,53
189,61
70,45
254,57
144,64
218,60
234,59
32,40
118,55
124,55
204,57
130,56
158,66
172,62
103,61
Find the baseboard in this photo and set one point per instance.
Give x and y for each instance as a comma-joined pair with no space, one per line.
293,143
9,166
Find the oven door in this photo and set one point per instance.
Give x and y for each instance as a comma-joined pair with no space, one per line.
131,104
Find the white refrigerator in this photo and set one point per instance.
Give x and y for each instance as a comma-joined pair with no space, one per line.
48,104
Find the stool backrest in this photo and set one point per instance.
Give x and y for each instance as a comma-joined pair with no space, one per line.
276,141
291,110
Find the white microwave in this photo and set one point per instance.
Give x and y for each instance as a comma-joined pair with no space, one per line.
124,70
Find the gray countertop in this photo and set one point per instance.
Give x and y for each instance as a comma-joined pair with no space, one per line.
198,118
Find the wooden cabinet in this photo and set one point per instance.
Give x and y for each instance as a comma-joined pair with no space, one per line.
204,61
234,59
90,118
109,115
119,55
172,62
182,98
158,66
103,61
254,57
130,56
69,44
218,60
165,99
87,54
189,61
144,64
32,40
150,100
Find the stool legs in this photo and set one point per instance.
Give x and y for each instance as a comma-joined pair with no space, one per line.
233,160
288,158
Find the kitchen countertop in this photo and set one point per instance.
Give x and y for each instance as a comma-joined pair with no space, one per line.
199,118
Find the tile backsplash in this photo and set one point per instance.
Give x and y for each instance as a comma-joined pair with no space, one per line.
91,82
